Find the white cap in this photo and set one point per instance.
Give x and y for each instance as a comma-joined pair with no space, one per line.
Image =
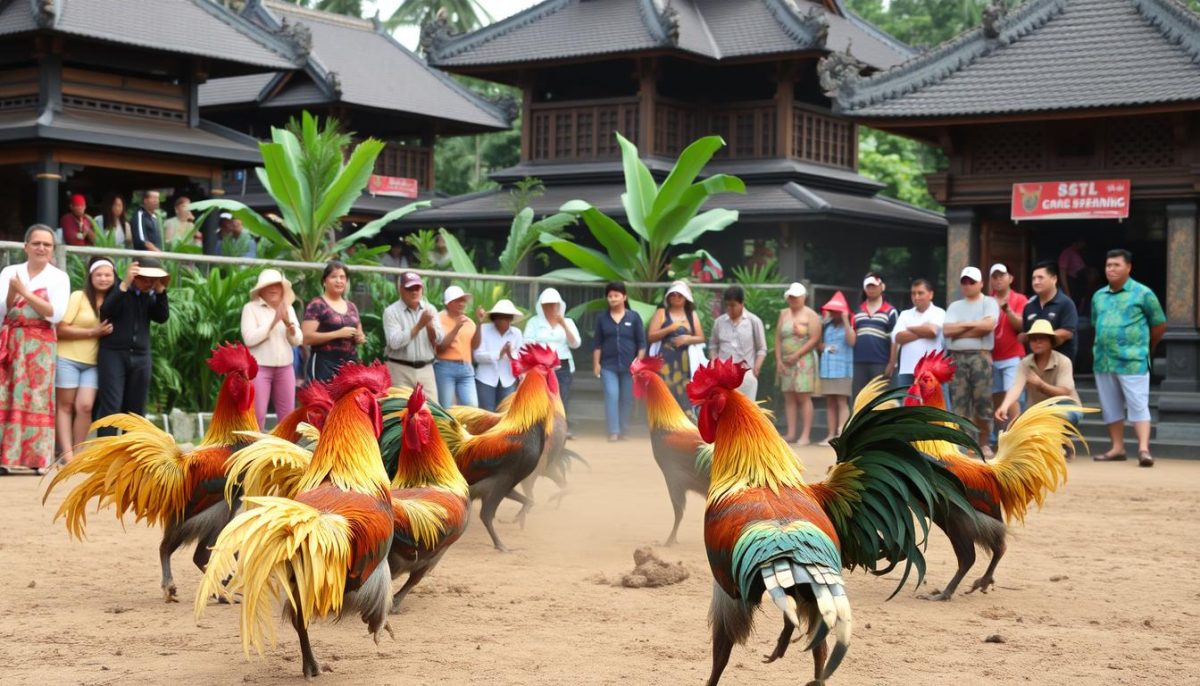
998,267
225,215
971,273
796,290
872,280
681,288
454,293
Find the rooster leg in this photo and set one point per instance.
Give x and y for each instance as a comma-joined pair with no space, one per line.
414,578
487,511
781,645
172,539
958,530
311,669
820,652
525,500
722,647
982,583
678,503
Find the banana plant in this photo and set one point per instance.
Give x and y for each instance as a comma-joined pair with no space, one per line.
661,219
314,184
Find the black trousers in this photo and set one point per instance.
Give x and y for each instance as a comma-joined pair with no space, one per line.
564,388
863,373
124,378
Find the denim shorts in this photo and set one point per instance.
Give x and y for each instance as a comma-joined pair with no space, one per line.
1004,374
72,374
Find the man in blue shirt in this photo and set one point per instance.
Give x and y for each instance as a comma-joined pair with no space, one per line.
619,339
234,241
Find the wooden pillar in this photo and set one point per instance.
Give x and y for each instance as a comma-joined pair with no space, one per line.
961,247
785,95
1182,338
647,92
526,116
791,252
47,177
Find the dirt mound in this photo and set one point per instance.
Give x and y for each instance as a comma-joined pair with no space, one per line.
651,571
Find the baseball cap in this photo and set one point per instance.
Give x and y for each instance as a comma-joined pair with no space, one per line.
453,293
225,215
998,267
971,273
871,280
796,290
410,280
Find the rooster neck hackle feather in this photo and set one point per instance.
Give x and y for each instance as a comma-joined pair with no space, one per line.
348,452
430,467
749,453
227,418
662,410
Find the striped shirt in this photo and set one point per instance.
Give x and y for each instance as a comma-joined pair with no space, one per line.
874,344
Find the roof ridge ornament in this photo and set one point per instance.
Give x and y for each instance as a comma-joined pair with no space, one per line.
1175,22
838,71
992,14
46,13
436,33
669,20
298,34
820,21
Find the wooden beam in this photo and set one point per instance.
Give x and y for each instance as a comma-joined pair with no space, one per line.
135,161
785,96
647,96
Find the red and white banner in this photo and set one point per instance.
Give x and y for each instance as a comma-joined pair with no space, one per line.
1108,199
397,186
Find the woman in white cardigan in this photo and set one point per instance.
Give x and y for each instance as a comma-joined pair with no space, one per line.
271,331
499,343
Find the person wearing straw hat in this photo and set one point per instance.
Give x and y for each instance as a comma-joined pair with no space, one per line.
551,326
797,335
837,362
499,342
1044,373
676,335
271,331
124,360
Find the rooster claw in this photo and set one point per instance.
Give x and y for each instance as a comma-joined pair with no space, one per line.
170,595
936,595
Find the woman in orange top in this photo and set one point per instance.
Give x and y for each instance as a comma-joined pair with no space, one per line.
453,367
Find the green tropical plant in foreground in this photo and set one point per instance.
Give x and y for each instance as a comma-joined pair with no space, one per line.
662,219
314,184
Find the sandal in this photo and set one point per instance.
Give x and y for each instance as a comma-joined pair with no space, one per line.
1145,459
1108,457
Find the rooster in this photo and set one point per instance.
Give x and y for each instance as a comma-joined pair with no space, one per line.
143,472
314,404
1030,462
766,530
683,457
430,498
495,461
326,551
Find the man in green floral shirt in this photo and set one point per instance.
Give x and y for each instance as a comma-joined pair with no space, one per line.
1129,323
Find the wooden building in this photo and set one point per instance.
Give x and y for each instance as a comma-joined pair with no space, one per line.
665,73
99,97
1064,92
357,72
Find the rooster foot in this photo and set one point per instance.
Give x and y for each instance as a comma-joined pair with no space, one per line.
170,595
386,627
395,608
312,670
234,599
771,657
981,584
936,595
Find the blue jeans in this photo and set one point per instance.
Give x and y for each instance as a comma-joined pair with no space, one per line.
490,396
455,381
618,399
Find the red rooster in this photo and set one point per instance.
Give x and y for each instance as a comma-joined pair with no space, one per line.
325,551
314,404
143,472
430,498
767,531
683,457
1030,462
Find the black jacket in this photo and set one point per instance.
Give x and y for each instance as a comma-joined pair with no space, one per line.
130,313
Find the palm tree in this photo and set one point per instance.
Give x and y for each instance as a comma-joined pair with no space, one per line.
463,15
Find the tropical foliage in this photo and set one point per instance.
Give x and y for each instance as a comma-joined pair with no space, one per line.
462,15
314,183
661,220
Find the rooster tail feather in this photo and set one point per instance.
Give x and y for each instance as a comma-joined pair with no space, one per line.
267,549
870,392
140,471
268,466
881,481
1031,456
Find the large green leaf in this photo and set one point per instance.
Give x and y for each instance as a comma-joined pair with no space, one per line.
574,274
640,189
459,259
251,220
690,163
712,220
593,261
621,246
349,184
674,219
645,310
291,196
373,227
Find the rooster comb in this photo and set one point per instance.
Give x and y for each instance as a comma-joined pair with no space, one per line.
228,358
374,377
937,363
416,400
725,374
535,355
652,365
315,395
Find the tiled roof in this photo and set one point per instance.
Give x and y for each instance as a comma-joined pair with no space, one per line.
712,29
354,62
1047,55
191,27
773,202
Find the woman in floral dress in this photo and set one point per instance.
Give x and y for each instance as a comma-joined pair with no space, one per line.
797,335
674,328
33,298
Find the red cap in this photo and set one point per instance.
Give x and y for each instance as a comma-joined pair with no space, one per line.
78,199
837,304
410,280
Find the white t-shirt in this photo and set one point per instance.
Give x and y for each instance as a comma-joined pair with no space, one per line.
968,311
912,351
54,280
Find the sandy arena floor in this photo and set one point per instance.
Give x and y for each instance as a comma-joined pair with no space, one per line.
1100,587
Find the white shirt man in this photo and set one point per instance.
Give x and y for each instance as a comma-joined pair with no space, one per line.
918,330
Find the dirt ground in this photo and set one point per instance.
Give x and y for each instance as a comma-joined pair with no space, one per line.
1100,587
